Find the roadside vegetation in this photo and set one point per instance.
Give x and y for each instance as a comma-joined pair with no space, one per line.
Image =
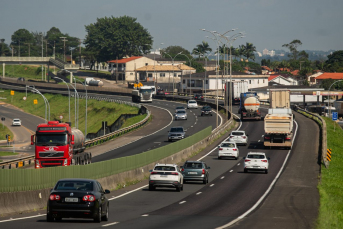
33,72
97,111
330,187
3,131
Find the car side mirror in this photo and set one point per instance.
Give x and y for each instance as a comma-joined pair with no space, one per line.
208,167
219,146
107,191
181,167
268,158
150,170
243,157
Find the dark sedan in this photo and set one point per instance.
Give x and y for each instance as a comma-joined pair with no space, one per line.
206,110
78,198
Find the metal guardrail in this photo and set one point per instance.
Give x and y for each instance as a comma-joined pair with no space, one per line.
322,124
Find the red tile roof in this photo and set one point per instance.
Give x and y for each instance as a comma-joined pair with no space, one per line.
266,68
271,77
295,72
330,75
125,60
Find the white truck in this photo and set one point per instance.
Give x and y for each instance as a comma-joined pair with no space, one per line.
238,87
90,81
142,94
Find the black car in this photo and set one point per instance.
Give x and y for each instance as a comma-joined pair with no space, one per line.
198,97
206,110
78,198
160,92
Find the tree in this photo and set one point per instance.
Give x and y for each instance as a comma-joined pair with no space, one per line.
111,38
194,64
20,40
334,62
249,51
173,51
293,48
4,49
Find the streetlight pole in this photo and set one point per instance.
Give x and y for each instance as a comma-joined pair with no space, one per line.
84,84
330,97
64,45
29,48
68,92
71,56
76,95
173,69
190,75
45,101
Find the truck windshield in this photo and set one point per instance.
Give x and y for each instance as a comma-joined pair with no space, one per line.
145,91
51,139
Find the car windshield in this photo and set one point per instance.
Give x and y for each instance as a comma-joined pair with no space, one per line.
74,185
206,108
256,156
177,129
231,145
51,139
237,133
179,108
165,168
181,112
193,165
192,101
16,120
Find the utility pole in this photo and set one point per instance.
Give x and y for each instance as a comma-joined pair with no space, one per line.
64,45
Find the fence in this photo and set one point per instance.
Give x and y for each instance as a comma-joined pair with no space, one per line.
34,179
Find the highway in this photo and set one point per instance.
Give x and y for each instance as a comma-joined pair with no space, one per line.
228,196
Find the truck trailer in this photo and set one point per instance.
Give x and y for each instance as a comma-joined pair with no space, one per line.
237,88
249,106
57,144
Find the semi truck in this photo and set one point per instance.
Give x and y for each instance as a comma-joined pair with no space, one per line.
249,106
237,88
142,94
58,144
278,123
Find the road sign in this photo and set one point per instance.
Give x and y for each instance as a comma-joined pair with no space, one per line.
61,117
328,154
334,116
24,98
2,118
35,101
12,92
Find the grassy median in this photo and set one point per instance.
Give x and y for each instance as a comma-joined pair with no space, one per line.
330,187
3,131
97,111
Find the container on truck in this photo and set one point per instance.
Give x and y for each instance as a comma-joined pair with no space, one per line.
249,106
57,144
279,99
237,88
93,82
142,94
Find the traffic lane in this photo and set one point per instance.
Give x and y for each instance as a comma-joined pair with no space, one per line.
294,201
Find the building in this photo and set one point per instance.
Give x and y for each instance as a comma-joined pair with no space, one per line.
327,75
282,79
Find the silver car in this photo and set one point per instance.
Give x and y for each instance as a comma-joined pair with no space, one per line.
181,114
176,133
239,137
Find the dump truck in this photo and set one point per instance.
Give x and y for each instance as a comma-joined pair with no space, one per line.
278,123
58,144
142,94
249,106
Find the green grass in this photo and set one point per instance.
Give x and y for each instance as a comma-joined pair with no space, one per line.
7,153
101,74
33,72
133,120
3,131
97,111
330,187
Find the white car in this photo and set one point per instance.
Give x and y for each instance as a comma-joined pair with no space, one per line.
239,137
192,104
228,150
256,161
166,175
16,122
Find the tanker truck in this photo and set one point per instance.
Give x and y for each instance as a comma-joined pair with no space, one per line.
249,106
57,144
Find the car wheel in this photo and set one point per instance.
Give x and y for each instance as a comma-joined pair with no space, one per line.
151,188
219,158
105,217
169,140
205,180
58,218
266,171
236,158
49,217
178,189
245,170
182,187
97,218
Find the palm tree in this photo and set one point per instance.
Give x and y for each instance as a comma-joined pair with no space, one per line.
201,49
249,51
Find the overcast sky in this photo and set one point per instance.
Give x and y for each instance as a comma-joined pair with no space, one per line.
268,24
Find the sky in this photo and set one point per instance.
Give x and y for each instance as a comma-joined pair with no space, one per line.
267,24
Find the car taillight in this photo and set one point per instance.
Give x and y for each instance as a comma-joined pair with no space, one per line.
244,137
88,198
246,160
54,197
287,138
234,149
203,171
202,111
174,173
232,136
153,172
182,170
264,160
220,148
266,137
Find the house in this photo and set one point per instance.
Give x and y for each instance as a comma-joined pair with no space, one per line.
312,78
328,75
282,79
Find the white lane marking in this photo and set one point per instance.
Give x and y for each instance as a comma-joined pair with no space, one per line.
222,177
34,216
231,171
182,202
191,126
211,185
106,225
258,140
266,193
199,193
128,192
262,135
145,215
238,164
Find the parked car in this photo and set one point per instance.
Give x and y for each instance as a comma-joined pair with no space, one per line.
198,97
195,171
228,150
239,137
206,110
78,198
160,92
192,104
256,161
181,114
176,133
167,176
16,122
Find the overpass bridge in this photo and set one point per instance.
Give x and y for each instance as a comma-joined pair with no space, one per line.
38,61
